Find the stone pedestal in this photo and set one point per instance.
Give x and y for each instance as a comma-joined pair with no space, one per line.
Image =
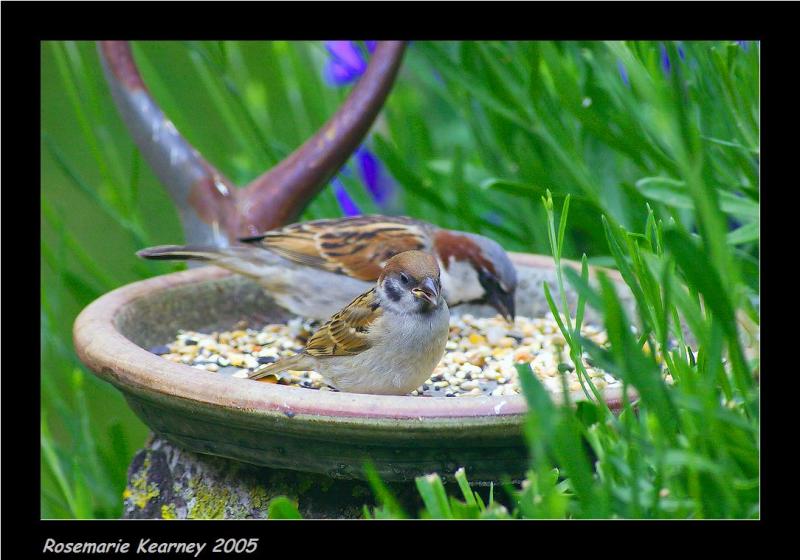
167,482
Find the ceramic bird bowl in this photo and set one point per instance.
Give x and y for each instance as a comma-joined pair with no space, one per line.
287,427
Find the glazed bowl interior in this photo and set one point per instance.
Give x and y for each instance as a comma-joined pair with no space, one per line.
215,305
289,427
220,303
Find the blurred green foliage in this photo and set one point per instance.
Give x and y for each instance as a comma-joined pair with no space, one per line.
660,162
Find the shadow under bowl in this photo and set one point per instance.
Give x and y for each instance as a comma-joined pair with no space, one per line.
288,427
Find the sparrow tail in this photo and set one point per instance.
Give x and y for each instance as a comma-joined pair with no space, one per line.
299,362
179,253
250,261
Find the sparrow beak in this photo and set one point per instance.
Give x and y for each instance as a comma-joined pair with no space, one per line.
428,291
503,302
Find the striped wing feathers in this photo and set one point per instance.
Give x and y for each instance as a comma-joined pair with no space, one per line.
345,334
357,247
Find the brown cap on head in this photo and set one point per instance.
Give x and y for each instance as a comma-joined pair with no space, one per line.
416,264
461,247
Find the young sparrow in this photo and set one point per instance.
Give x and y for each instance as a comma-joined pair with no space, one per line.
388,340
314,268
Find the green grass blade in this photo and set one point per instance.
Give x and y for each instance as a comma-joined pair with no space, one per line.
283,508
432,491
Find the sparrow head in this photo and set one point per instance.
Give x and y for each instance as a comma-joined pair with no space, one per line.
410,282
476,270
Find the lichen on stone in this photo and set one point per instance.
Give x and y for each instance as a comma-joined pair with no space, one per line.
259,499
168,482
207,501
168,511
140,491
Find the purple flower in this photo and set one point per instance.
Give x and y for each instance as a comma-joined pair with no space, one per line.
733,224
347,204
665,63
743,44
377,181
347,61
623,73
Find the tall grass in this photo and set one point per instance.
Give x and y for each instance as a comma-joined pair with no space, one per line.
654,146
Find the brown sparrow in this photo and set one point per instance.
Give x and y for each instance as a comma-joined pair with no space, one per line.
314,268
388,340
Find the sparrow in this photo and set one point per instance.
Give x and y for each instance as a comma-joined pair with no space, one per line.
314,268
388,340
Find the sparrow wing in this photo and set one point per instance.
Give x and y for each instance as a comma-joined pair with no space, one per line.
345,334
357,246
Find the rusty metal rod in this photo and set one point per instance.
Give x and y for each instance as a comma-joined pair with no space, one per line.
212,209
279,195
203,196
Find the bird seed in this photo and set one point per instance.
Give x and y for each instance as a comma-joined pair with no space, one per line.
479,358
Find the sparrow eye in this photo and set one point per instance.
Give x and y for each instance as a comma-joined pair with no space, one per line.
404,278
